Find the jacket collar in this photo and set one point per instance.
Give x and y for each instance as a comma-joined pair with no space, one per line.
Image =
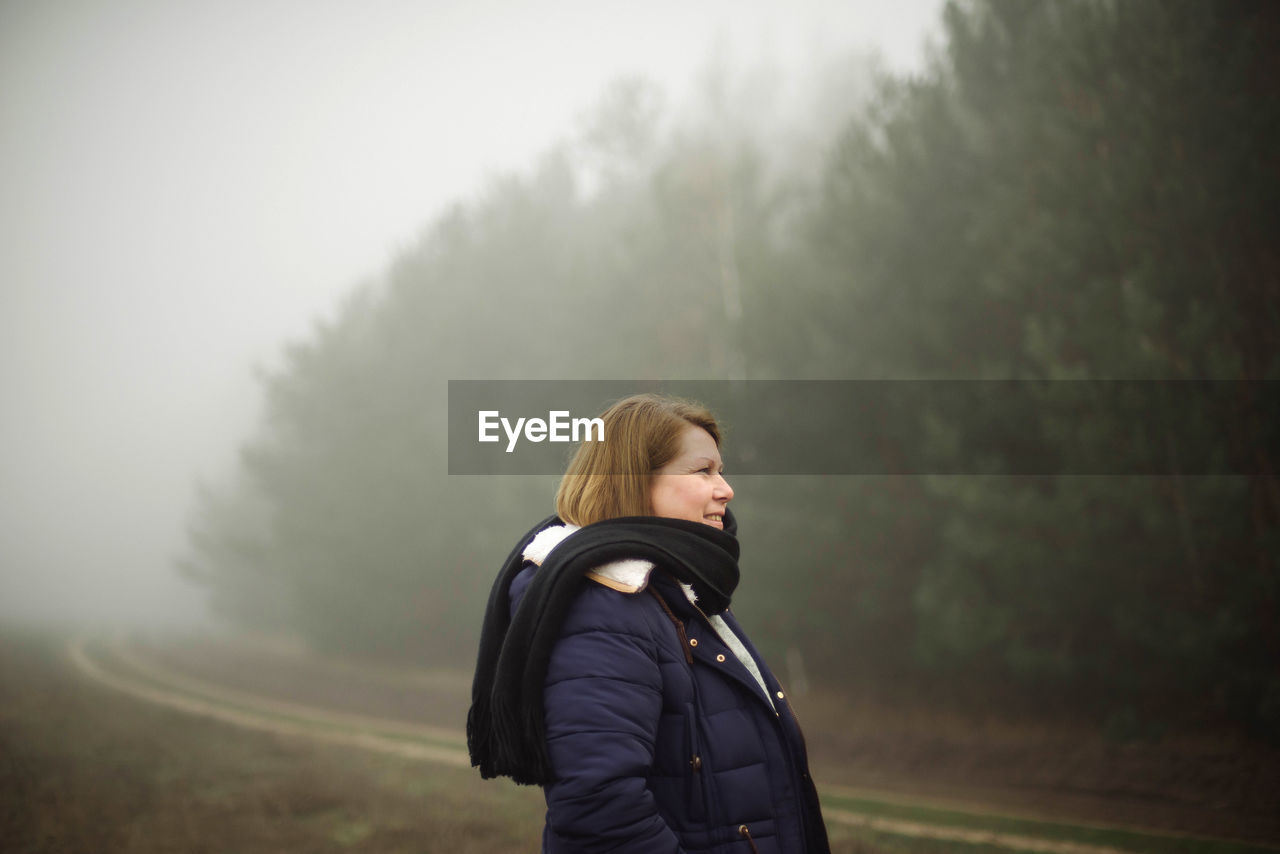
625,576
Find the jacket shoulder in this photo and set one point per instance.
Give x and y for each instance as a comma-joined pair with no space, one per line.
612,608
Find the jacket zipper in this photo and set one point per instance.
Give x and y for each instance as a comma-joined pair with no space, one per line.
677,622
696,761
697,798
796,776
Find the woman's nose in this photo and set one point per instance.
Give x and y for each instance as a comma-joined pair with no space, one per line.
723,489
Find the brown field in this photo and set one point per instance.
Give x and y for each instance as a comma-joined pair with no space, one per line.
86,769
1215,785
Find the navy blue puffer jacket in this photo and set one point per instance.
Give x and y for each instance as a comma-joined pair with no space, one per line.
661,740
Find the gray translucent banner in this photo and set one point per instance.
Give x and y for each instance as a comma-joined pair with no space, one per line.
896,427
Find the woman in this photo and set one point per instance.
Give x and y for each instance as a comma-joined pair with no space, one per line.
612,673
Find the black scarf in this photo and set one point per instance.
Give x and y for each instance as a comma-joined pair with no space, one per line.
506,733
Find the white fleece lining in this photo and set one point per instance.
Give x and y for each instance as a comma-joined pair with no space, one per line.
632,576
546,540
627,576
734,643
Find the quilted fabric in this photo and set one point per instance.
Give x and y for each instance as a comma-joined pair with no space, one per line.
657,754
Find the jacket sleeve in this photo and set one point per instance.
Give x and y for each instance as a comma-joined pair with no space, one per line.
603,700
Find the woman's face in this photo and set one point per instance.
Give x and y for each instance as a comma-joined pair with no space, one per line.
692,486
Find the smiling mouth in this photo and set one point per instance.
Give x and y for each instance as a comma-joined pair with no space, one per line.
714,517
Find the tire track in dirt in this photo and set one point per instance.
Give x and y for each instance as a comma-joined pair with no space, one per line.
244,699
238,708
263,721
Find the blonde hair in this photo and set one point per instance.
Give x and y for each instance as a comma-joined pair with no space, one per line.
611,478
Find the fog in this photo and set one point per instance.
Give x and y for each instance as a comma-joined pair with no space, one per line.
189,186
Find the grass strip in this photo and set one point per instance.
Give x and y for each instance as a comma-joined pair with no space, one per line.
314,723
1129,840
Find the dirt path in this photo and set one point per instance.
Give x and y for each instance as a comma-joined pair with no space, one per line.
314,714
230,707
124,670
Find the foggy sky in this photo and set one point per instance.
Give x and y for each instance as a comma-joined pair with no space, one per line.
188,185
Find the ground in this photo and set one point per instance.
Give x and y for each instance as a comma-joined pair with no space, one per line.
84,768
1213,785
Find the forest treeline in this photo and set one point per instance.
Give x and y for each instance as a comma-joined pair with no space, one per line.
1073,190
